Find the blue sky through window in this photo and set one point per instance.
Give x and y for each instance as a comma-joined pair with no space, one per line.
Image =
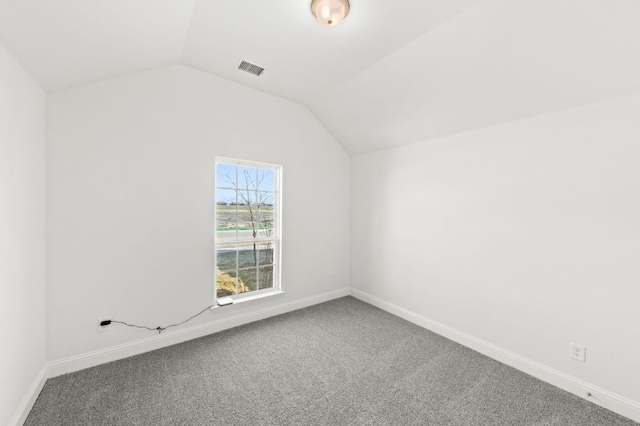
231,176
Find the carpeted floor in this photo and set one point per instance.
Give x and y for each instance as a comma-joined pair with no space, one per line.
343,362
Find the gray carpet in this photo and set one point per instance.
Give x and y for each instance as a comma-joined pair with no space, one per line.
343,362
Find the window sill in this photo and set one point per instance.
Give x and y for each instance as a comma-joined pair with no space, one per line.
249,298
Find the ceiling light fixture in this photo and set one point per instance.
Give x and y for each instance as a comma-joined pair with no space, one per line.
330,12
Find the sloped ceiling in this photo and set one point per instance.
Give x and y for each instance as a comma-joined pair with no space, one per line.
394,72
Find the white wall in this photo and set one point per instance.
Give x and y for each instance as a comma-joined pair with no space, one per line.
130,170
22,220
525,235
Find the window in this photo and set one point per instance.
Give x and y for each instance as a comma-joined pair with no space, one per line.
247,228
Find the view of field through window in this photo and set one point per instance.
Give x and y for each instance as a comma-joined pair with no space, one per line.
246,234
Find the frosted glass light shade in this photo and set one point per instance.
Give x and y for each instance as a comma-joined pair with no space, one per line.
330,12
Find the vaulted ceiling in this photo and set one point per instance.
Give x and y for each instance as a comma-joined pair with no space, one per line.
394,72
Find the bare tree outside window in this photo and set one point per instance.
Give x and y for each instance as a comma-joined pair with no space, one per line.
246,234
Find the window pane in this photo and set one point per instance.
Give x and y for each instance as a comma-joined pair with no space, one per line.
226,175
226,235
265,222
226,257
226,284
266,180
265,253
246,197
247,255
247,215
226,218
249,279
247,178
265,277
264,198
225,197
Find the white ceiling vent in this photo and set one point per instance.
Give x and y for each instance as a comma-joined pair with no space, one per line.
250,68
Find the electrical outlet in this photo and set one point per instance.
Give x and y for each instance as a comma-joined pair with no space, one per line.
332,278
103,328
578,352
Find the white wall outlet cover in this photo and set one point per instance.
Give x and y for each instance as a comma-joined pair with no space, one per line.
578,352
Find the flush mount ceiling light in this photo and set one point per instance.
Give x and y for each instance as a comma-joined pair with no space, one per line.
330,12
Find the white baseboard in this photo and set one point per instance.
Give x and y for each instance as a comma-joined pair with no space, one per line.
29,398
602,397
157,341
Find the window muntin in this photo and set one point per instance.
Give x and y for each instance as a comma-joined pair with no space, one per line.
247,228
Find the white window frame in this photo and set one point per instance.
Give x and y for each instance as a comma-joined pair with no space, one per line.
276,238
